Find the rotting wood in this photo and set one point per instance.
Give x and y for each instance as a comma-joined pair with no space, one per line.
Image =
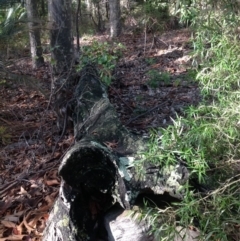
98,172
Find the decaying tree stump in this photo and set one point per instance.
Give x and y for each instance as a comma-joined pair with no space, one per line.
98,172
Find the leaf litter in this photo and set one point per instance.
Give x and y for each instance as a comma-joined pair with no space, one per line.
151,85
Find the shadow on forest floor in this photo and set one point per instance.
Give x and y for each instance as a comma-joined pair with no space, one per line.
151,88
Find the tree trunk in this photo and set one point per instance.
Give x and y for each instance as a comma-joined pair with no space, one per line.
34,33
115,18
97,15
125,6
78,14
98,173
61,40
43,8
89,5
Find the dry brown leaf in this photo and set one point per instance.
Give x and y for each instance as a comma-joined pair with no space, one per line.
27,238
18,214
11,218
35,192
19,229
55,175
4,205
34,185
13,237
37,219
44,208
2,229
112,144
8,224
50,176
52,182
23,191
53,195
28,227
16,231
49,199
41,225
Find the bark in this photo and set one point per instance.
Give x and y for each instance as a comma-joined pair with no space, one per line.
61,40
89,5
125,6
97,16
98,172
115,18
78,14
34,33
96,10
43,8
123,226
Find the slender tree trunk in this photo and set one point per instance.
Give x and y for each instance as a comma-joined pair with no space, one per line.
115,18
43,8
34,33
61,39
101,26
125,6
78,13
97,15
107,9
89,5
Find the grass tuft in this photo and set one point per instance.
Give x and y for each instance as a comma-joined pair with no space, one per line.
207,138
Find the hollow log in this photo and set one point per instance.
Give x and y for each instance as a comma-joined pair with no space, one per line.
99,171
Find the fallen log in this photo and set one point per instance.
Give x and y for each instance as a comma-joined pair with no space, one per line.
98,172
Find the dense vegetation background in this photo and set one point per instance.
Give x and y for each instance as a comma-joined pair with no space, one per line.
204,135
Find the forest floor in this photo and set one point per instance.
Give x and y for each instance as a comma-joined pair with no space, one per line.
152,84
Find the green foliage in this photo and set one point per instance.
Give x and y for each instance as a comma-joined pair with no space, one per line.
10,24
153,215
4,136
156,15
157,8
187,10
8,3
104,56
3,82
156,77
180,141
191,74
216,214
150,61
152,15
221,67
207,138
12,27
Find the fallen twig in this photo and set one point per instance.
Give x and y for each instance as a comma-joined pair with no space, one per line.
152,109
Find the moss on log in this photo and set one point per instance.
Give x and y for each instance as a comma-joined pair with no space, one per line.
98,171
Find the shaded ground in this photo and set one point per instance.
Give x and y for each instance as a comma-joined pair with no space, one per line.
151,88
152,85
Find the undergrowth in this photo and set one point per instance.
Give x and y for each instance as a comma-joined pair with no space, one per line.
156,77
104,56
5,137
207,139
